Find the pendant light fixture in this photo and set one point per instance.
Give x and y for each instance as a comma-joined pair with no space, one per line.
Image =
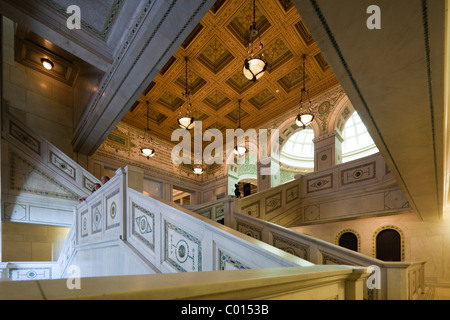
146,148
186,121
254,66
198,170
305,115
240,150
47,63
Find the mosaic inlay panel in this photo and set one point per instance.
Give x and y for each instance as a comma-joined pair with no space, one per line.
16,274
251,209
290,246
84,224
24,137
319,183
62,165
249,230
112,216
312,213
358,174
182,250
229,263
96,218
143,225
292,194
273,202
27,177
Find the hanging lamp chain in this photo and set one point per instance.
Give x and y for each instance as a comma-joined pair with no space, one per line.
304,91
239,115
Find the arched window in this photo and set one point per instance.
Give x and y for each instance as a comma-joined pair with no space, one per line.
349,240
298,151
357,141
388,245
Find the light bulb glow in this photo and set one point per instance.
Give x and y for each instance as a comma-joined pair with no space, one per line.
148,152
303,120
47,64
254,68
198,170
186,122
240,150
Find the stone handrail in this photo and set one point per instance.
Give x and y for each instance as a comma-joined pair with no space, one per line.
392,280
38,171
294,283
330,195
173,240
169,237
38,148
215,210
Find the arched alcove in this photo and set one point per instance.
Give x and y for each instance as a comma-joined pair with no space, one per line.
349,239
388,244
243,173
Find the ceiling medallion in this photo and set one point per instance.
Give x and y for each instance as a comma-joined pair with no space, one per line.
305,114
254,66
186,121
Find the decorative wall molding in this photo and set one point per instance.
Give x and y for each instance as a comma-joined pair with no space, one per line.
290,246
182,250
273,202
226,262
23,137
320,183
28,177
248,229
386,227
359,173
143,225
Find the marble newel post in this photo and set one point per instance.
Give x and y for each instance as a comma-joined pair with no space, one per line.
135,177
327,151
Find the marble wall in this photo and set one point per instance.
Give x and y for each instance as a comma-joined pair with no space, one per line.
43,104
21,242
421,241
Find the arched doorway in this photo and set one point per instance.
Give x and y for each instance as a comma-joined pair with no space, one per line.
245,175
388,244
349,240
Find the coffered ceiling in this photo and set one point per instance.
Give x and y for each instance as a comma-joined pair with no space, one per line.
216,49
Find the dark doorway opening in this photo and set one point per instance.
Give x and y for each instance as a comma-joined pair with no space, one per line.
388,245
349,240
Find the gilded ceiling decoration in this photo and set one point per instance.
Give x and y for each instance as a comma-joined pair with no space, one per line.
216,49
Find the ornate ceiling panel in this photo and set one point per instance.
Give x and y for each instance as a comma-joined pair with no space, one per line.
216,50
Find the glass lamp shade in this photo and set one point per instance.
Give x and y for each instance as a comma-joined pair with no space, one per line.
240,150
198,170
147,152
254,68
186,122
303,120
47,64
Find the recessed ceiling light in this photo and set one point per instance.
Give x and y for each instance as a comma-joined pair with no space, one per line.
47,64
